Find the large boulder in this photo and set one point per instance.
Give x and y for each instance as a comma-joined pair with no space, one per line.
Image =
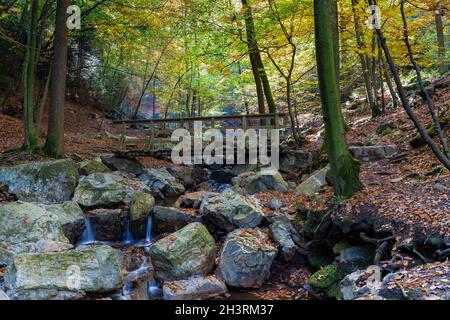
373,153
141,207
314,183
246,258
22,225
62,276
95,165
193,199
188,252
251,183
123,164
195,288
296,161
286,236
108,224
168,219
230,210
106,190
325,282
70,217
45,182
426,282
162,182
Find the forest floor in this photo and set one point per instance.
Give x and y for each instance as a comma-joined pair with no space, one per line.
411,194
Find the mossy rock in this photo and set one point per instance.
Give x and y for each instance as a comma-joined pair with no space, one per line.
327,280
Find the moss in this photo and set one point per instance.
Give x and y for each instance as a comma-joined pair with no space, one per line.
327,277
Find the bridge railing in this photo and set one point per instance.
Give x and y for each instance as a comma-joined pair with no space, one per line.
141,134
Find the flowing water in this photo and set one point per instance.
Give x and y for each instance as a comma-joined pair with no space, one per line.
88,235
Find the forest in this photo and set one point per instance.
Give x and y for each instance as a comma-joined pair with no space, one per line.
224,150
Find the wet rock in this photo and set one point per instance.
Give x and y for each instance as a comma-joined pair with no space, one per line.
128,165
108,224
195,288
106,190
71,218
251,182
373,153
246,258
45,182
137,281
230,211
183,254
283,233
22,225
95,165
298,161
325,282
314,183
168,219
141,205
161,181
65,275
3,296
194,199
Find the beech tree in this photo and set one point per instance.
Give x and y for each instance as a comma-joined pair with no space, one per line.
344,168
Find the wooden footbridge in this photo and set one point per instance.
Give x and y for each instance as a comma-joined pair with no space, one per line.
139,137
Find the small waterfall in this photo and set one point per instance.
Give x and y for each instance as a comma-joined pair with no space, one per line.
128,238
148,232
154,291
88,235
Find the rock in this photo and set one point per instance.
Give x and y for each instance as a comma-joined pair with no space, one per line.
295,160
314,183
168,219
283,233
222,176
141,207
356,257
3,296
386,128
230,211
426,282
137,282
195,288
373,153
65,275
325,282
161,181
45,182
246,258
95,165
275,204
189,177
188,252
47,246
251,182
106,190
128,165
193,199
22,225
108,224
71,218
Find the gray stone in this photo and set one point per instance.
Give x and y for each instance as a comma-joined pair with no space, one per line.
161,181
168,219
230,211
22,225
122,164
109,224
141,207
65,275
246,258
373,153
193,199
250,183
3,296
296,161
71,218
195,288
286,236
314,183
95,165
45,182
188,252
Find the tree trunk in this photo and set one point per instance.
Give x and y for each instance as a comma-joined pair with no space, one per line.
440,38
344,168
335,24
401,92
30,140
253,53
54,145
42,103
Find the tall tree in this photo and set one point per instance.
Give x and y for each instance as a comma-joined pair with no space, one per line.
440,37
29,68
54,145
344,168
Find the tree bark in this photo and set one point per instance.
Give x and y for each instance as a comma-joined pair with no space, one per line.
443,67
344,168
54,145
